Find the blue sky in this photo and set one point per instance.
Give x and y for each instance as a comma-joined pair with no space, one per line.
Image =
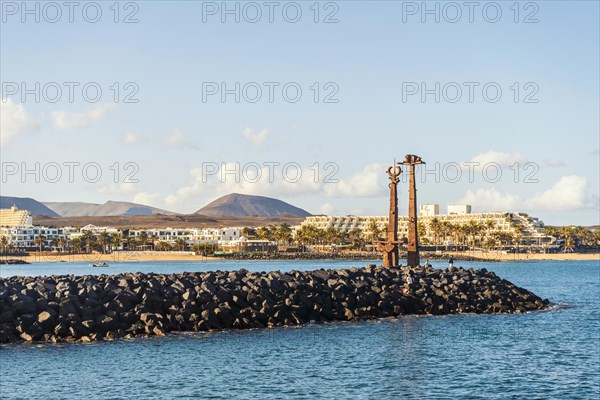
371,57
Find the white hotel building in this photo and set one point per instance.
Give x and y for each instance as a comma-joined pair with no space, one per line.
16,225
191,235
531,229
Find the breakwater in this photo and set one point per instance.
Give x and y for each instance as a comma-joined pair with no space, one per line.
105,307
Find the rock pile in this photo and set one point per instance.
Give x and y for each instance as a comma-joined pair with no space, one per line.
105,307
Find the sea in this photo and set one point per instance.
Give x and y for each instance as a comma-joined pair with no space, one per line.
553,354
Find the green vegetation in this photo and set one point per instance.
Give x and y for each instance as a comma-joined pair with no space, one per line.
575,237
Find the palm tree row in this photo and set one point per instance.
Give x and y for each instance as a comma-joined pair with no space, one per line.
311,235
575,236
471,233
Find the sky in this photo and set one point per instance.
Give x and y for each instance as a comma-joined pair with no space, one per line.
174,104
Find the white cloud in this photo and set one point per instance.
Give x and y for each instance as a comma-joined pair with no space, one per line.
553,162
327,209
568,193
14,121
175,139
503,159
116,188
255,137
146,198
173,201
366,183
283,180
491,200
243,178
133,138
64,121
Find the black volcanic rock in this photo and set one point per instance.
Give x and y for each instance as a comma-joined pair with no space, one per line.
105,307
241,205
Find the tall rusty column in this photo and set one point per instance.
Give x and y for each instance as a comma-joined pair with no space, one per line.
389,248
412,258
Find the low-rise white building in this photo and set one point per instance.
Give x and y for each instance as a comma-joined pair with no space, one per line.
429,210
459,209
190,235
23,237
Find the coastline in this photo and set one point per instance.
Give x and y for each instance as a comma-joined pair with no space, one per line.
459,256
156,256
108,258
479,256
184,256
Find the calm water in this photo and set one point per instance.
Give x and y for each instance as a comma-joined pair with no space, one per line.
552,354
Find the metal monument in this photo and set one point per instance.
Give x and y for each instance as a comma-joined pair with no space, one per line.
412,258
389,247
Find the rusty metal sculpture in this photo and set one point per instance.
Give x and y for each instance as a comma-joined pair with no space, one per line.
412,258
389,247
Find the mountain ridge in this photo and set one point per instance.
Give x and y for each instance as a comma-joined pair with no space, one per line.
27,203
109,208
243,205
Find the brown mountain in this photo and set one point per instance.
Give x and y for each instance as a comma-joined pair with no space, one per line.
110,208
242,205
25,203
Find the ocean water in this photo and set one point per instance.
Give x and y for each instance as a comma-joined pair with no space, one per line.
551,354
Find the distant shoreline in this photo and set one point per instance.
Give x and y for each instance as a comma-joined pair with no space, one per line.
155,256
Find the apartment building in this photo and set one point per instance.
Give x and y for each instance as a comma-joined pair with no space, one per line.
14,217
530,229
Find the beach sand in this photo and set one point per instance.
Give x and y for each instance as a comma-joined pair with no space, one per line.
495,256
115,257
157,256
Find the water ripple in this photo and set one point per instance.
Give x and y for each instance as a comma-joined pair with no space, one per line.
553,354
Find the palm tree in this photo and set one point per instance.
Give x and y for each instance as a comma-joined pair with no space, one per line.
143,238
62,242
517,236
356,238
76,244
283,233
115,241
88,240
163,246
375,231
264,232
103,240
54,242
332,235
445,230
490,243
39,240
422,231
473,229
180,244
4,243
434,227
153,238
299,236
249,233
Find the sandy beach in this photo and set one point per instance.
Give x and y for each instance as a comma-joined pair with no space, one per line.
158,256
115,257
493,256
